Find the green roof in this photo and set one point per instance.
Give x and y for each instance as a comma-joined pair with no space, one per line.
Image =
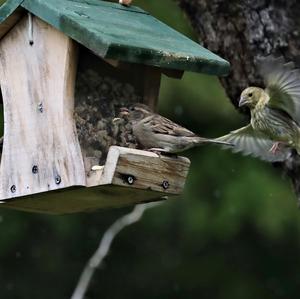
123,33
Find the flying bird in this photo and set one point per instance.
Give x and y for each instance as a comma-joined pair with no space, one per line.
157,133
274,130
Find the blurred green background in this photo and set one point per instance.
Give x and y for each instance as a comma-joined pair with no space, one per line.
235,233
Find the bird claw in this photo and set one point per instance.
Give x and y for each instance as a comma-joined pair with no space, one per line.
275,148
116,120
161,152
155,150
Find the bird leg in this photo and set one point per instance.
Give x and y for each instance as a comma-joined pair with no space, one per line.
155,150
275,148
161,152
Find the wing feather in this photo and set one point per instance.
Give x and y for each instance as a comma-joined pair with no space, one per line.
250,142
162,125
283,85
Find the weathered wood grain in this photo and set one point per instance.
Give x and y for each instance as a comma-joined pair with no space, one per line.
40,151
75,200
153,178
148,170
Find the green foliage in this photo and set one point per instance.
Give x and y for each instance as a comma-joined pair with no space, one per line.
233,234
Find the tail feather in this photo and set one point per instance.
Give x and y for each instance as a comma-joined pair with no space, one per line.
214,141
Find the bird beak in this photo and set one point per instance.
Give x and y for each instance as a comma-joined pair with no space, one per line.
116,120
123,112
243,101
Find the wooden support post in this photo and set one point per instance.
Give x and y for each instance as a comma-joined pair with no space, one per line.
40,151
152,77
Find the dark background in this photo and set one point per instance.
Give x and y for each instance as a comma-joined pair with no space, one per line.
235,232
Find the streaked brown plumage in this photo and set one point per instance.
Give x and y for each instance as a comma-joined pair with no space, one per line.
155,132
275,114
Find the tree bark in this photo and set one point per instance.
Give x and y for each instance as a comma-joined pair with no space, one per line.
242,32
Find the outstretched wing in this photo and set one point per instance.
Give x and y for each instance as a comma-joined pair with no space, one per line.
283,85
250,142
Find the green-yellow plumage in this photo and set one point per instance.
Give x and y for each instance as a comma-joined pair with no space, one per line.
275,114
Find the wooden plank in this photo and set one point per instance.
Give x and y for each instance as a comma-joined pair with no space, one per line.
75,200
41,151
161,174
148,170
154,178
128,34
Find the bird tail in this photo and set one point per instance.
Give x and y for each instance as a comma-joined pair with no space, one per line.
213,141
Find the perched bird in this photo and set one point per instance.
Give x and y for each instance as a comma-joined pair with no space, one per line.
125,2
157,133
275,114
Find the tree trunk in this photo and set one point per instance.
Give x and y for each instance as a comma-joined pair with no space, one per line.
243,31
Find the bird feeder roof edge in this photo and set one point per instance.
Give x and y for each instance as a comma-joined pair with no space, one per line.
117,32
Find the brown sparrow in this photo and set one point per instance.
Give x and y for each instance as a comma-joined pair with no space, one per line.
157,133
125,2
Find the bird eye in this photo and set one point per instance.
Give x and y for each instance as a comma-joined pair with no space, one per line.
131,108
250,94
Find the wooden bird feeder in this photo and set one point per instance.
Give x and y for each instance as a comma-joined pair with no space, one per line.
66,67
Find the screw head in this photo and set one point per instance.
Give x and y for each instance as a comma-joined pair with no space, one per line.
40,107
13,189
130,179
35,169
57,179
165,185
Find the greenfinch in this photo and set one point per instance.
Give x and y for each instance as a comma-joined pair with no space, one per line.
157,133
274,129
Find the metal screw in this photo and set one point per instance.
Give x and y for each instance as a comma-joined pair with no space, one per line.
57,179
13,189
130,179
165,184
35,169
40,107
